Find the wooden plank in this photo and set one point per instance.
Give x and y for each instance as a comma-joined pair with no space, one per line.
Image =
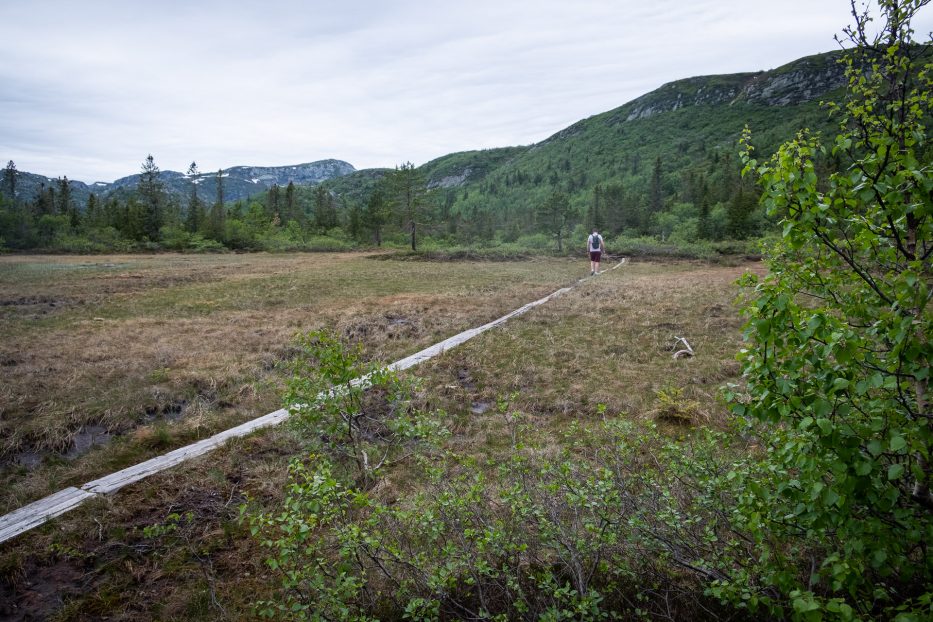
450,342
127,476
38,512
34,514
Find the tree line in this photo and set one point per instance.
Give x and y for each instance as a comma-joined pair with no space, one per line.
711,202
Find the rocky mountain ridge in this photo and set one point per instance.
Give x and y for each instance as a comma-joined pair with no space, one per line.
795,84
801,81
239,182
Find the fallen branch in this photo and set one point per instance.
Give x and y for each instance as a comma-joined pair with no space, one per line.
687,351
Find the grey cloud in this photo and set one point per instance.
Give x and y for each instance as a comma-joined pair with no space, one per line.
92,91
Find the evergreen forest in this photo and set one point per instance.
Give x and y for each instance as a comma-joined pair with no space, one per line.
658,174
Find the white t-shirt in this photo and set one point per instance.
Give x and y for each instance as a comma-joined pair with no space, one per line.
595,242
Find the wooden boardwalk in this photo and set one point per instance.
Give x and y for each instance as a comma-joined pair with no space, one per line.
43,510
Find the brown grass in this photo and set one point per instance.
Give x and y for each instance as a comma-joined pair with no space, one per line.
609,343
215,342
192,343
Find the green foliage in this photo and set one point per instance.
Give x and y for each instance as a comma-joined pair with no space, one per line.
673,406
314,569
152,196
170,526
593,531
630,171
838,354
180,239
8,184
362,413
407,195
555,215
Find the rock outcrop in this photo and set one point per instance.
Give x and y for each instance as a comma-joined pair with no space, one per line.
798,82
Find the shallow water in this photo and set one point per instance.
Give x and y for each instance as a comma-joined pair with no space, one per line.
88,436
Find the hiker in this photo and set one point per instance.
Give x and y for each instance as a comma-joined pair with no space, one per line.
594,244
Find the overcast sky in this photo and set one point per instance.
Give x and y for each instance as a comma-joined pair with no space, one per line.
90,88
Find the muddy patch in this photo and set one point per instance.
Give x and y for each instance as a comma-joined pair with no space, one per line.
33,301
387,326
717,310
87,438
172,411
478,408
29,460
41,594
466,380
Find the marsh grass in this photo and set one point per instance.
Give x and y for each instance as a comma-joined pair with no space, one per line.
606,347
192,344
603,350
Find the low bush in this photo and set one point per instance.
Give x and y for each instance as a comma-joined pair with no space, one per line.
610,524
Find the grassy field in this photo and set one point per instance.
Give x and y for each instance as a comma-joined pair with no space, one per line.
152,352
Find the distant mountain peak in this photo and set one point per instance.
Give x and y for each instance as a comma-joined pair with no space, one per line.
240,182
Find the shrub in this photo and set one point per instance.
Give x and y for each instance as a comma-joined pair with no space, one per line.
838,354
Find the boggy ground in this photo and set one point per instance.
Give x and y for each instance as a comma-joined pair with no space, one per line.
203,339
147,353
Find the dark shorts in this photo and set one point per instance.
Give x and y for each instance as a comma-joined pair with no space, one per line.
594,255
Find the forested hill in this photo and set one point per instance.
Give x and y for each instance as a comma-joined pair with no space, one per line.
675,145
662,165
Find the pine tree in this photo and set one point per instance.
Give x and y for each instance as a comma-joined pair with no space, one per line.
9,180
216,223
408,196
195,218
741,206
554,216
376,214
92,213
113,214
291,211
703,228
325,209
594,215
152,197
655,196
65,202
44,203
355,221
273,202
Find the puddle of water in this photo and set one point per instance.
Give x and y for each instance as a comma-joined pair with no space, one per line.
175,410
466,381
53,267
478,408
87,437
170,412
29,459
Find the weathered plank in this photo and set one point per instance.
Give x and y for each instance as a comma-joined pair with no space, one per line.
450,342
36,513
118,480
